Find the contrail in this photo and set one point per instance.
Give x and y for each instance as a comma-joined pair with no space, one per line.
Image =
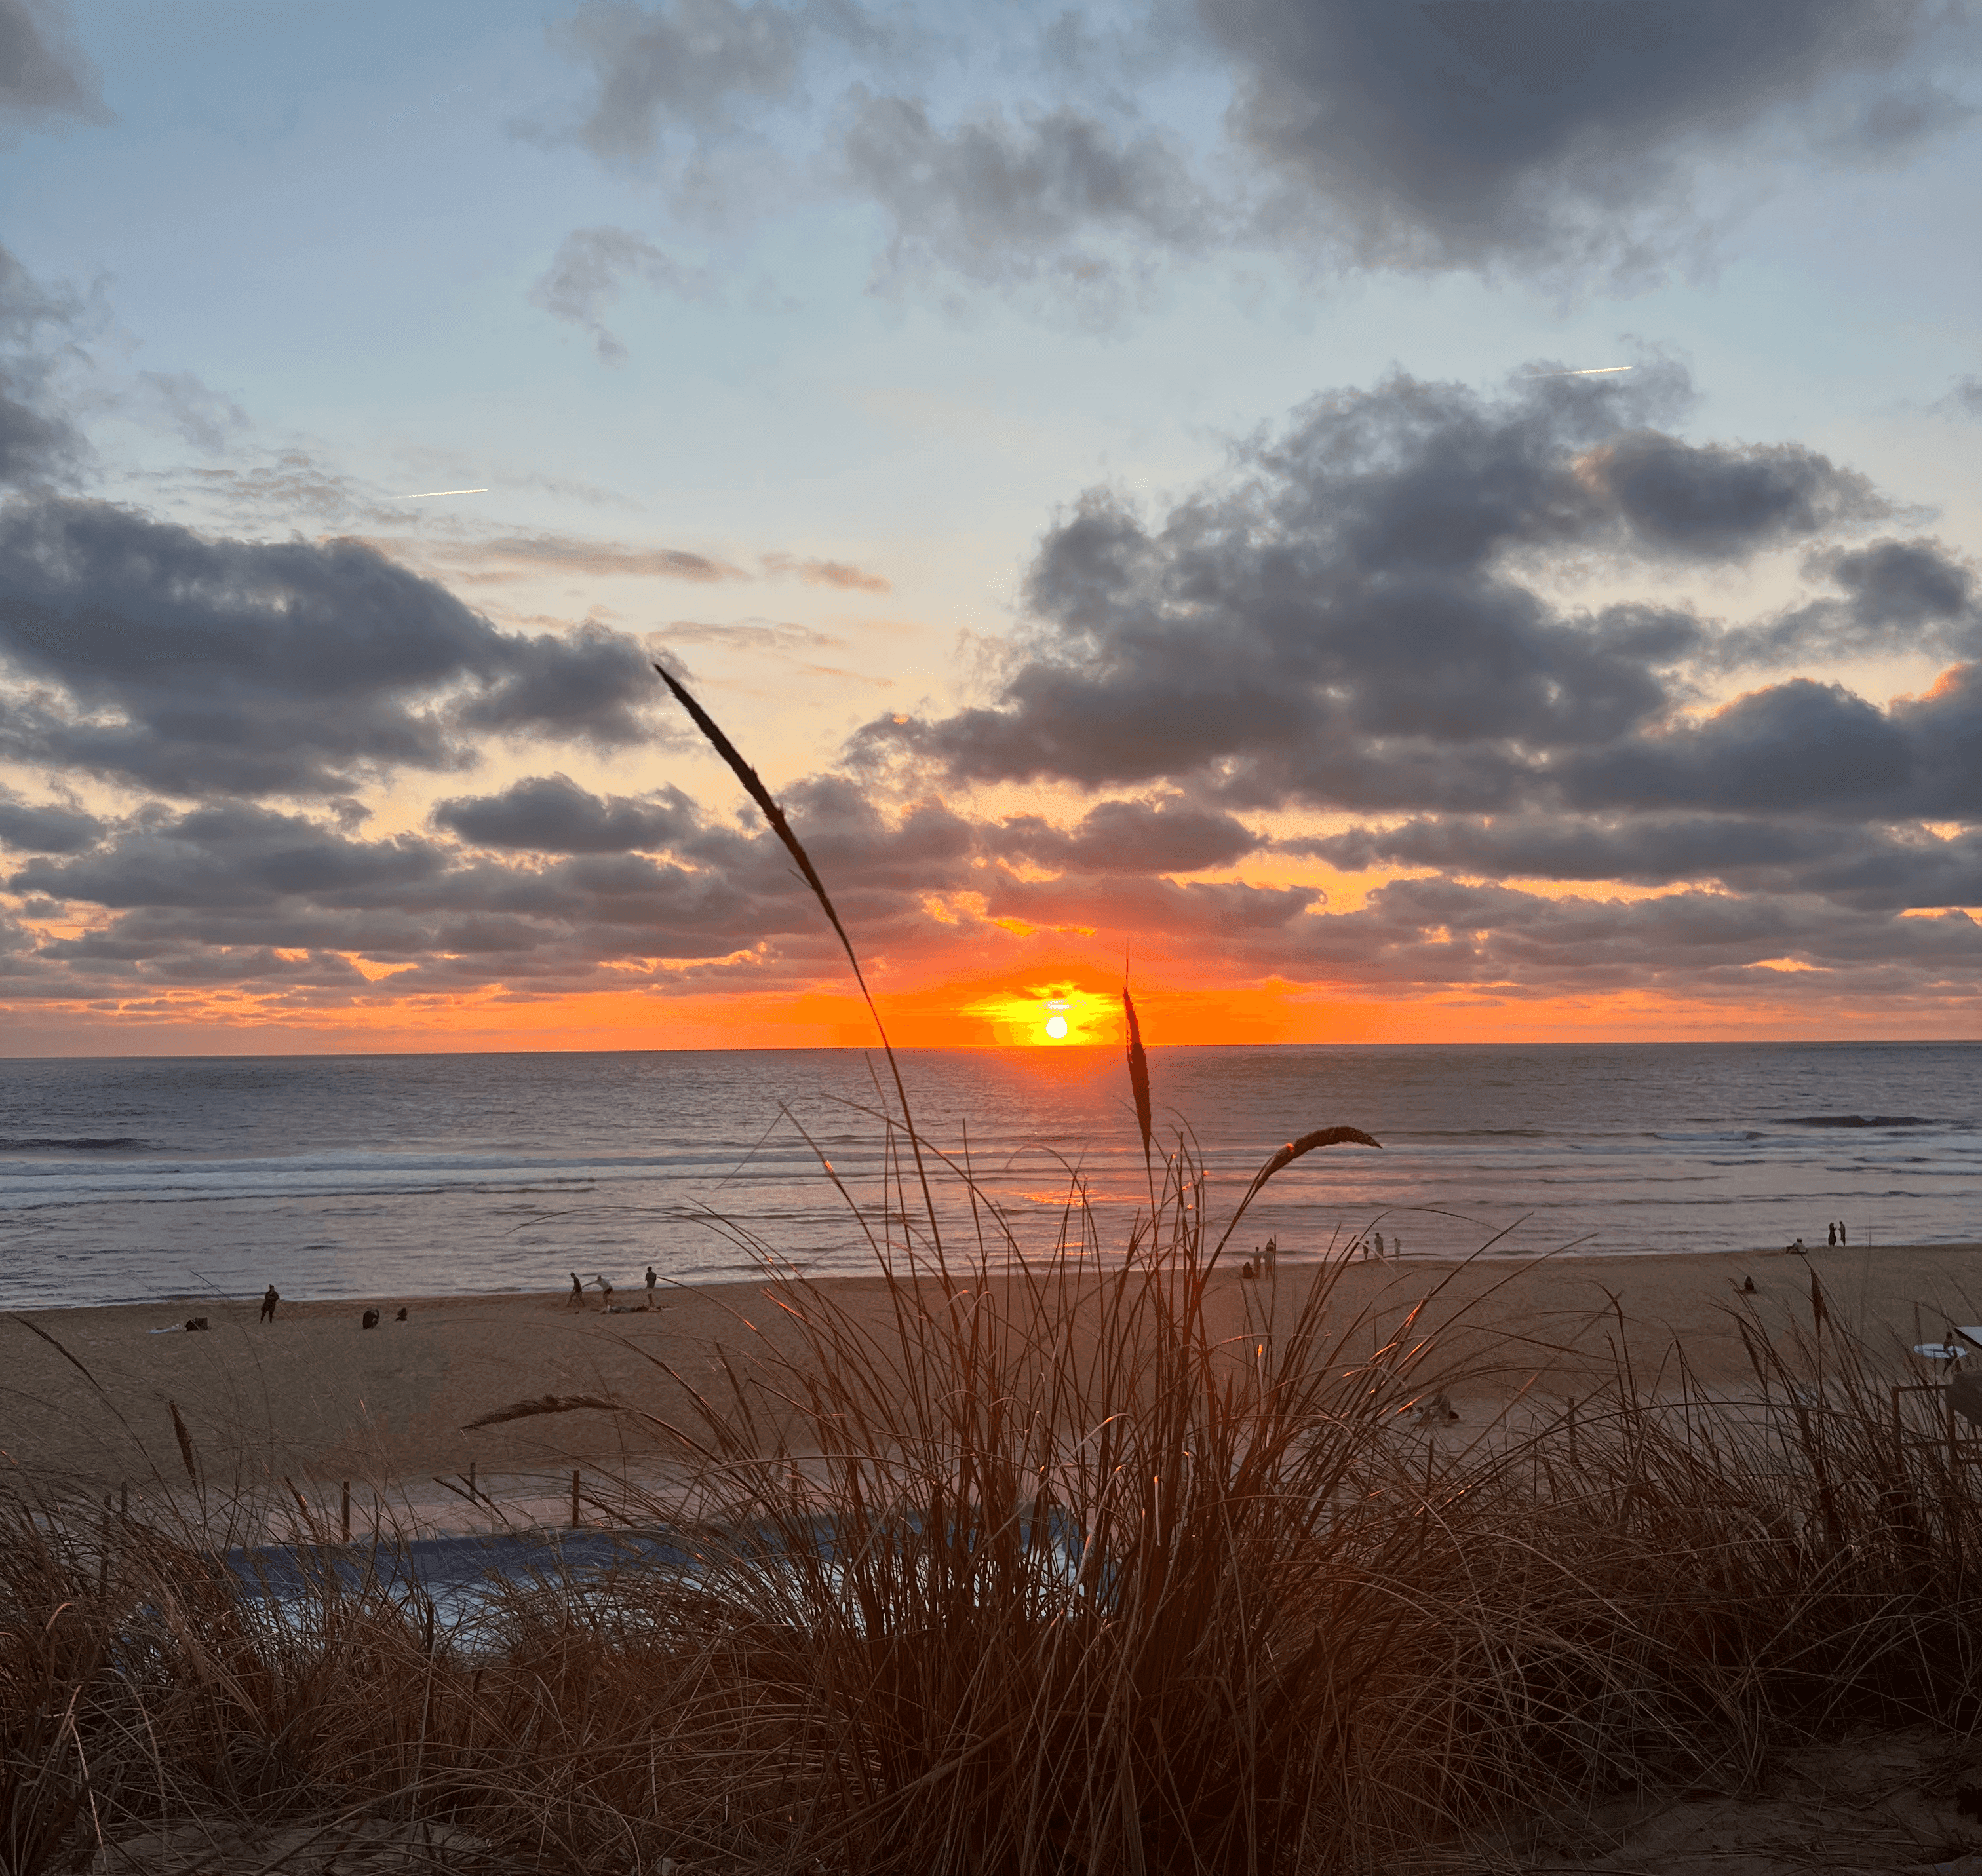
1590,371
427,494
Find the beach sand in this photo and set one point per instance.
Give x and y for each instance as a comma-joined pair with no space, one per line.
312,1397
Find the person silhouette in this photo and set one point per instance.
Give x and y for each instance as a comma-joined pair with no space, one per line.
1843,1236
577,1292
270,1297
1833,1238
1379,1243
652,1280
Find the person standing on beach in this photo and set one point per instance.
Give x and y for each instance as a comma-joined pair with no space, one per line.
269,1299
652,1280
1833,1238
577,1292
1843,1236
1380,1245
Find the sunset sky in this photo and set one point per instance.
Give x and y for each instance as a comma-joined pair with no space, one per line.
1116,472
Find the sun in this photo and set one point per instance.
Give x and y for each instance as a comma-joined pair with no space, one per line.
1052,1015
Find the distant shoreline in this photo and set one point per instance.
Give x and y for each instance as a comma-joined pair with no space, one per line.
1290,1261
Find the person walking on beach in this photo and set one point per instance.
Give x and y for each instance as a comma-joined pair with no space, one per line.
577,1292
269,1299
652,1280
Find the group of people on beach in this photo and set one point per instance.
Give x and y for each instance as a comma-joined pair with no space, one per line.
576,1299
1265,1261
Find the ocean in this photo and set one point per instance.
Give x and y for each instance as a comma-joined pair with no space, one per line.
345,1176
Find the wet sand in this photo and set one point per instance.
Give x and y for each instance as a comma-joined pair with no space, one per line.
312,1397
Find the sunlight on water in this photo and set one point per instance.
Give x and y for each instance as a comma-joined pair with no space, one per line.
436,1174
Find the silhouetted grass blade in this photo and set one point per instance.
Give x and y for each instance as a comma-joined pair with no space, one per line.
1138,1070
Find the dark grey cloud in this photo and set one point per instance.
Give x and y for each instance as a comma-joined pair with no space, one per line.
46,82
1347,619
1578,137
1447,132
552,814
137,650
1055,196
1794,746
1127,837
1872,867
593,267
33,826
1721,503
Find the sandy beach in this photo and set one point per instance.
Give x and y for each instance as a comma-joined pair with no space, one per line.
312,1397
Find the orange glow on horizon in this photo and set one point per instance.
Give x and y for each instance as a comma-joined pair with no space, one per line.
986,1011
1050,1016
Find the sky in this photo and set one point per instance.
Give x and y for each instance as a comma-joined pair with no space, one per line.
1144,484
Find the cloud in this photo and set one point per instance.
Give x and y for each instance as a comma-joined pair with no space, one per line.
1874,867
137,650
1963,398
182,403
556,553
552,889
1451,135
685,63
31,827
1057,197
46,83
1072,165
1127,837
838,574
552,814
592,268
1721,503
38,445
1345,619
